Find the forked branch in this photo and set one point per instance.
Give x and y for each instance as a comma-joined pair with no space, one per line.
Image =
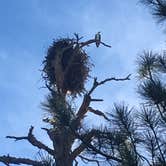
87,98
31,138
87,138
96,83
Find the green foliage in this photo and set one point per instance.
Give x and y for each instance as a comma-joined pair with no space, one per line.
162,63
60,110
149,118
126,134
152,115
120,137
45,158
150,69
158,8
153,91
147,62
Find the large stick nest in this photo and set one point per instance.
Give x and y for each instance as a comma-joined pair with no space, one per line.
66,66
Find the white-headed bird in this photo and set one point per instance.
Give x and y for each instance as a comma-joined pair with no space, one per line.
98,39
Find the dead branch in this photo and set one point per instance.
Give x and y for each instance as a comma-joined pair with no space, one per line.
83,44
76,162
87,98
106,45
31,138
13,160
50,133
96,100
108,157
96,83
90,146
89,160
83,109
97,112
87,138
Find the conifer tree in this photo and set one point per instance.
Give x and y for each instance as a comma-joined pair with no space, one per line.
158,9
152,69
66,69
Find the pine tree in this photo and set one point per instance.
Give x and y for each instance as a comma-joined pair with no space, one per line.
138,137
65,71
152,69
157,7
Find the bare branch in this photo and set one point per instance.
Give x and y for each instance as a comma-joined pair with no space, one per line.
97,112
115,79
96,100
16,138
89,160
83,109
50,134
105,44
76,162
13,160
87,99
87,138
77,37
96,83
83,44
47,130
90,146
31,138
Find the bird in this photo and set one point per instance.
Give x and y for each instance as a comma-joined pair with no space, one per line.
98,39
128,144
51,121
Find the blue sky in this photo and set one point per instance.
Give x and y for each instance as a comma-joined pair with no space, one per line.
28,28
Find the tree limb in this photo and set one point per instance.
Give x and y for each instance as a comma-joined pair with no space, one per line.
96,100
83,109
13,160
96,83
105,44
90,146
89,160
31,138
50,133
83,44
87,138
87,98
97,112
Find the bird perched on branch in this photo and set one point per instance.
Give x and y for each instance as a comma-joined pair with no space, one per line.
98,39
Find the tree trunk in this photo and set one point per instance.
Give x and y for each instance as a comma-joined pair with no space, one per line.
62,143
63,162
